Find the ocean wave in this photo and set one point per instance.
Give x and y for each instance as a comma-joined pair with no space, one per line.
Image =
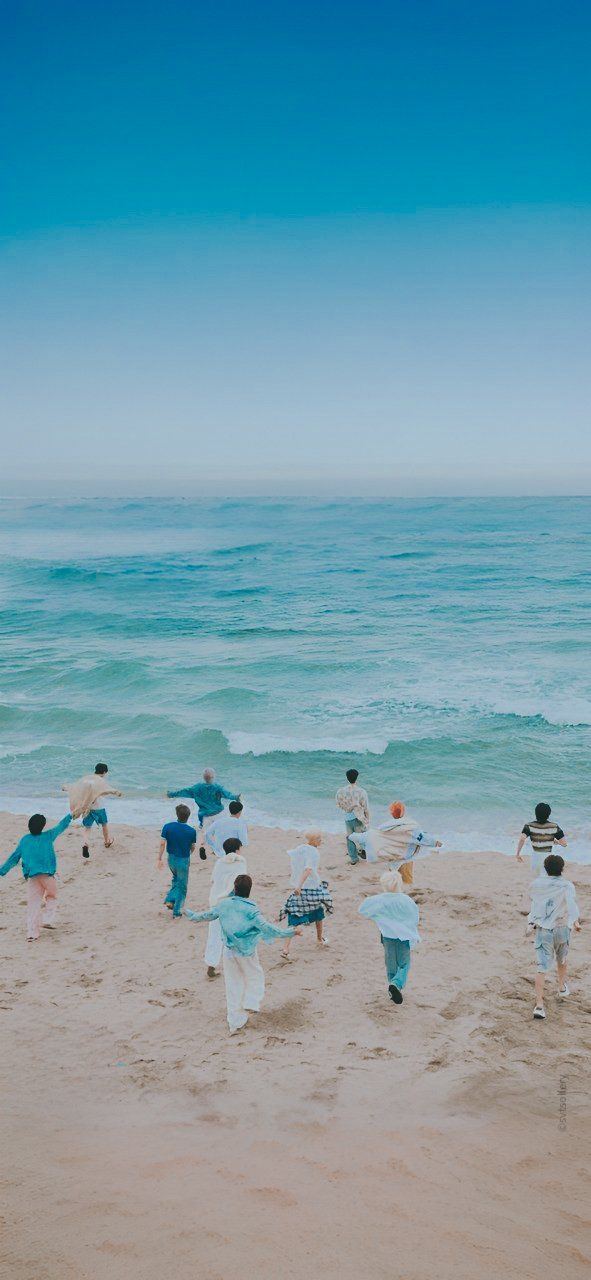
266,744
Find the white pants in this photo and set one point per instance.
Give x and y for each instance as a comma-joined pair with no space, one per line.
245,986
214,945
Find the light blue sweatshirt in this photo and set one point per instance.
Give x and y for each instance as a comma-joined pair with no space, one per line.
396,915
208,796
242,924
37,853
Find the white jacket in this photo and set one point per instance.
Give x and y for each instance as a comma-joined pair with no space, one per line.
554,902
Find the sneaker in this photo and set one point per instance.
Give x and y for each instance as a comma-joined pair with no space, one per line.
211,971
323,942
202,854
539,1012
395,994
85,851
564,991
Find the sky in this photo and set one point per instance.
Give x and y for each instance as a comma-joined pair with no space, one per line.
301,248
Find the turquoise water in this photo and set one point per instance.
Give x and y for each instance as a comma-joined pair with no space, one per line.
439,645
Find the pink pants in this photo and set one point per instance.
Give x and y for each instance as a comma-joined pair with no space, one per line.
41,903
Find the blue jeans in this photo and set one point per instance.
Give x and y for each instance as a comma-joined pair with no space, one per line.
352,824
397,957
178,887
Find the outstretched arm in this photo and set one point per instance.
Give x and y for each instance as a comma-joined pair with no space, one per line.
228,795
198,916
11,862
56,831
270,931
184,791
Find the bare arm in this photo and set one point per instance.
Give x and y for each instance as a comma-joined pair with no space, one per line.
520,844
307,872
160,862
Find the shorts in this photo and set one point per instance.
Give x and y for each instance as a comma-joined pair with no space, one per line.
309,917
550,943
96,815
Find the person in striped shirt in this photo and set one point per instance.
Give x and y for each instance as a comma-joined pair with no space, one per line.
542,835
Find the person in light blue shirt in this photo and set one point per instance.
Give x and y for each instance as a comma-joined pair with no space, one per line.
397,917
209,797
36,853
179,840
243,927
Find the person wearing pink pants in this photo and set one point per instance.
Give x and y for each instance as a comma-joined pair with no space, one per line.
36,854
41,905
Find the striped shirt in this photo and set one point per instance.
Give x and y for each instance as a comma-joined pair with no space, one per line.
542,836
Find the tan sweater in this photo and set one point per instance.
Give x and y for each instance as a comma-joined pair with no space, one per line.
85,793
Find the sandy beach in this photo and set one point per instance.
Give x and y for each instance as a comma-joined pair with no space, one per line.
339,1134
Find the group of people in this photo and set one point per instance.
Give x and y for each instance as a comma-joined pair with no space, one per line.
236,925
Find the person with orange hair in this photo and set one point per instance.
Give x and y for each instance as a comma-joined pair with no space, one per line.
399,840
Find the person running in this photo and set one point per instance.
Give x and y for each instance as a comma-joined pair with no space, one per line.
542,835
243,927
353,800
399,839
225,870
209,797
84,795
397,917
179,840
307,904
554,912
36,852
228,826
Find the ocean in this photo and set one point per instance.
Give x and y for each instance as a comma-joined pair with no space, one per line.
440,646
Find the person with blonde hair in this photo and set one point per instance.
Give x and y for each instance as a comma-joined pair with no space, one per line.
209,797
399,839
306,904
397,917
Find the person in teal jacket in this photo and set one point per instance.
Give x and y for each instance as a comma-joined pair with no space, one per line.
36,854
209,797
243,927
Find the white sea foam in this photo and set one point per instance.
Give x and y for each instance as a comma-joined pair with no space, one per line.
264,744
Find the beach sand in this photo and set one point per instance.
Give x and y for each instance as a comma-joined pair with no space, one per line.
337,1134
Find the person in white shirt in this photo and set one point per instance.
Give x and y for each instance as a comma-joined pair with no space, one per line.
226,867
305,864
397,917
554,912
228,826
353,800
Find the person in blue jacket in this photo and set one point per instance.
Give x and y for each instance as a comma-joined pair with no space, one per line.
209,797
243,926
36,853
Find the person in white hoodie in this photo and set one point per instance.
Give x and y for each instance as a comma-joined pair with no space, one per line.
399,839
554,912
226,867
397,917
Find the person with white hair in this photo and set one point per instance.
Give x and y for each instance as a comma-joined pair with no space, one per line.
310,896
209,797
397,917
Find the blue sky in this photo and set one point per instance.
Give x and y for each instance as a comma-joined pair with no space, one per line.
299,247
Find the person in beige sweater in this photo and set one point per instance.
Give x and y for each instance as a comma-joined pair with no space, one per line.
399,840
84,796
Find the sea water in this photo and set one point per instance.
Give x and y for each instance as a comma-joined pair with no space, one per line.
439,646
